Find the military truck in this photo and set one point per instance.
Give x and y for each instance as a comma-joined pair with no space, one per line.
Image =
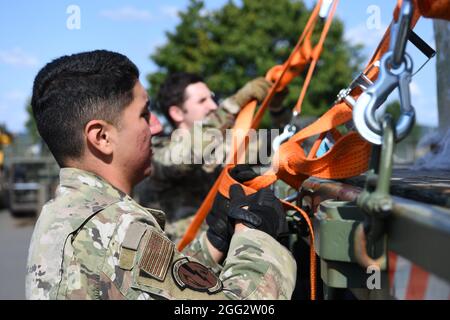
5,140
32,181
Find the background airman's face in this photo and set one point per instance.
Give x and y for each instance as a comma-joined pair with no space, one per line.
198,103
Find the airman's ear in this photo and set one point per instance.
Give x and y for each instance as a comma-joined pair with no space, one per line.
100,135
176,113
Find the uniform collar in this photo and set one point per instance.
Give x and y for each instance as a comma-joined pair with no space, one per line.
99,193
78,179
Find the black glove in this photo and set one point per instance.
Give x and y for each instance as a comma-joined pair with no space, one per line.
242,173
220,228
262,211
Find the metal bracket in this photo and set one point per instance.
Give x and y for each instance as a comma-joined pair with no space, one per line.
361,81
288,131
377,205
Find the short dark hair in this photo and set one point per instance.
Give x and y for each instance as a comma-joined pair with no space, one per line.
73,90
172,92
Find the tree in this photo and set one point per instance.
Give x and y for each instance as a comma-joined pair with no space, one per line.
31,124
234,44
33,133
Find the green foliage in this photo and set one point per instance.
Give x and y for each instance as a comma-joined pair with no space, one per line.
4,129
234,44
31,125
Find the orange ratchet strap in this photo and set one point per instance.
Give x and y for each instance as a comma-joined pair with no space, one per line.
282,75
437,9
347,157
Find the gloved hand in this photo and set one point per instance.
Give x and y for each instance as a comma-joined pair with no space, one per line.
254,89
276,104
242,173
220,228
262,211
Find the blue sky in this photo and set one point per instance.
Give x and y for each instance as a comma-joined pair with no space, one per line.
33,33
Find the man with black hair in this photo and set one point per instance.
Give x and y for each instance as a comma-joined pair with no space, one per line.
93,241
178,183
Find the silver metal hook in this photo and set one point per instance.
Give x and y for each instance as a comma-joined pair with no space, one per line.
288,131
365,117
395,72
399,33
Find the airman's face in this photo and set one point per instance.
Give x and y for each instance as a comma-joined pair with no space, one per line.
136,127
198,103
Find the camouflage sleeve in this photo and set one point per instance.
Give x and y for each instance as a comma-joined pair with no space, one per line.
142,263
171,159
223,118
198,249
256,267
183,152
175,230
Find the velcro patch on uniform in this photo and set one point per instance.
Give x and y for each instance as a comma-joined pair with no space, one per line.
195,276
157,255
133,236
126,258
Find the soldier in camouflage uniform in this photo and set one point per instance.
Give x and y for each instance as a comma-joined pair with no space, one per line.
93,241
185,101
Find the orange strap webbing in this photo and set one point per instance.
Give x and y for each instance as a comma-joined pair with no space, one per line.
348,156
437,9
297,61
282,75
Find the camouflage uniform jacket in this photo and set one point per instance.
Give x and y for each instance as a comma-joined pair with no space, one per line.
94,242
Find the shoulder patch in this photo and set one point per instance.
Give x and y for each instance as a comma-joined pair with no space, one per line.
157,255
133,236
195,276
130,245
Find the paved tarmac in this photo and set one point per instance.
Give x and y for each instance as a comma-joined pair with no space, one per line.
15,235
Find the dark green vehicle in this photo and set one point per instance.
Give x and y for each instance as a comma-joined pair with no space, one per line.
31,183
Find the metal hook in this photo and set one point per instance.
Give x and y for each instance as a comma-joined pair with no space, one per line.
399,33
288,131
365,114
395,72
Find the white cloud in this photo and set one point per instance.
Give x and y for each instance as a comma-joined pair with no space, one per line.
126,14
170,11
361,34
18,57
